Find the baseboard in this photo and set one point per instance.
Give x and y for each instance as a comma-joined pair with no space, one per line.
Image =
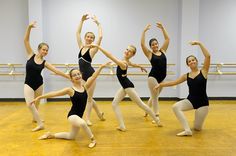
12,100
110,99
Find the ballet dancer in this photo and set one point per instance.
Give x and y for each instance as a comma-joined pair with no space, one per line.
127,85
197,98
33,86
78,95
157,58
85,56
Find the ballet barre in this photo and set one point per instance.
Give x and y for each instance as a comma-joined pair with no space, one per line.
112,67
219,69
11,69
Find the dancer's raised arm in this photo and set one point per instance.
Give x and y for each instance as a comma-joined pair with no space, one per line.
166,36
145,49
207,60
99,40
28,48
78,34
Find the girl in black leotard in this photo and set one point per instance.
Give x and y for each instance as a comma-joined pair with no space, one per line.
78,95
34,81
85,59
197,98
127,85
158,61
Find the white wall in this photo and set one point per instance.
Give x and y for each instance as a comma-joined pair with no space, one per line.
211,21
13,17
122,23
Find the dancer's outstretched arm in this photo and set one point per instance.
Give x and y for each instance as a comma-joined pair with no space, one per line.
91,79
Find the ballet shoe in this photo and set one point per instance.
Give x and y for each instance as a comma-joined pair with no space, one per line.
185,133
34,121
47,135
101,116
89,123
121,129
92,144
159,124
38,128
197,129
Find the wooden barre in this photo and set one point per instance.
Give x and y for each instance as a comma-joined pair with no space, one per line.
222,73
222,64
12,71
132,74
11,64
97,65
11,74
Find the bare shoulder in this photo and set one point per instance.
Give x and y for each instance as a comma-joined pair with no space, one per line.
69,90
30,55
204,73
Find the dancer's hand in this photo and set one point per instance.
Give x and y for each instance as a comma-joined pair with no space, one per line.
195,43
159,25
147,27
85,17
156,87
32,24
106,64
35,101
95,19
92,46
143,69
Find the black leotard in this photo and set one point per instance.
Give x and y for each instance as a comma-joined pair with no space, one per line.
85,65
33,76
197,91
122,77
158,70
79,100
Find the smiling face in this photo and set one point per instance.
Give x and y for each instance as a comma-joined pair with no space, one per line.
75,75
192,61
43,49
89,38
154,45
129,52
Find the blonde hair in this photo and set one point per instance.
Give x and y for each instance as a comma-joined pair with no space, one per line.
42,44
133,49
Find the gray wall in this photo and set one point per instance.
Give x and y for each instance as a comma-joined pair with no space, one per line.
122,22
217,30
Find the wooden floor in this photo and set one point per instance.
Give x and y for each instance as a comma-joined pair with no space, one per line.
142,138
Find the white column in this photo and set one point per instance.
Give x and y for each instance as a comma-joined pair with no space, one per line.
189,30
36,37
35,14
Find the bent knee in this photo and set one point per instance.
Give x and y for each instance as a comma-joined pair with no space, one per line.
83,124
175,107
71,137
